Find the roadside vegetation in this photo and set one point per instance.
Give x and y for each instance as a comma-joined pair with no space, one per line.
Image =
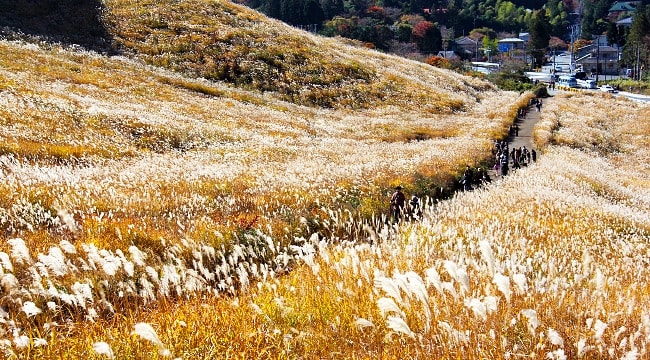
638,87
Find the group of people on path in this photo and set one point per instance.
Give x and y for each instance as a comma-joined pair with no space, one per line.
399,208
471,180
517,157
505,158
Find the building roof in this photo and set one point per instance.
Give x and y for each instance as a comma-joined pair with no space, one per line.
447,54
511,40
623,6
625,22
466,41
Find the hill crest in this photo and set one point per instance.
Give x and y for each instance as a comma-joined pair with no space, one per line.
222,41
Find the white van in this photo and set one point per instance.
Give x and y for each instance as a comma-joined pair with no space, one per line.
587,84
567,81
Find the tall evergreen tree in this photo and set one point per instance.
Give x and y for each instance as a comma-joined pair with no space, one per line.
637,51
312,13
273,9
332,8
540,34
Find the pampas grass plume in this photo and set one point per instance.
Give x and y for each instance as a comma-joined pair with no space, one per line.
103,348
362,323
433,278
488,255
398,325
30,309
147,332
387,305
19,251
503,284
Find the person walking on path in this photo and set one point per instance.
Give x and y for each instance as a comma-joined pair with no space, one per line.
397,201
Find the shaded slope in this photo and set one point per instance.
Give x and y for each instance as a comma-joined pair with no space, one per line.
66,21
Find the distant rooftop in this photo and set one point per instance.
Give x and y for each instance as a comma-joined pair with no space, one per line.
511,40
623,6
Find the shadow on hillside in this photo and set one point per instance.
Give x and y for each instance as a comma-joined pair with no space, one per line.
65,21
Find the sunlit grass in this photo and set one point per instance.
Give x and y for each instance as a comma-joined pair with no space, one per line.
249,219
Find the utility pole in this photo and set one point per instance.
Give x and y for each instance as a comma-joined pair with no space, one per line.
637,67
597,56
575,32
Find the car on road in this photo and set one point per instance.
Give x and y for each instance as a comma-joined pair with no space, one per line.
558,68
608,88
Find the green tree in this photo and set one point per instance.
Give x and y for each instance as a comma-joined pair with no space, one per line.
594,11
404,32
490,46
540,34
312,13
509,15
558,17
273,9
291,11
637,49
332,8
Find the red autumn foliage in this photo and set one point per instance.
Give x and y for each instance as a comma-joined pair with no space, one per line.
421,29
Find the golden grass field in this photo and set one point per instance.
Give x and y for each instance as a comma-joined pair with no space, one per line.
154,207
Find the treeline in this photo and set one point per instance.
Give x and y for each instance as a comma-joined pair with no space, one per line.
404,26
635,42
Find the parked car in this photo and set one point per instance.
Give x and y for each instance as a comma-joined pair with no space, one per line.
608,88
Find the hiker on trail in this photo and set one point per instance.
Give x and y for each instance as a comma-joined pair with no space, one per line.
397,201
525,156
504,164
533,154
482,177
468,179
415,208
516,130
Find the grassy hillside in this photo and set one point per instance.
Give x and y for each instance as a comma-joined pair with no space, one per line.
224,41
133,181
139,188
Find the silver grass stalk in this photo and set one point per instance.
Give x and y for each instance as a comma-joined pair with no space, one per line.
147,332
554,337
433,278
6,262
67,247
30,309
398,325
388,305
362,323
477,307
19,251
103,348
503,284
488,255
521,285
532,320
389,286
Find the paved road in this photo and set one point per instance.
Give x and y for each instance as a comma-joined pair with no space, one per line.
526,125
